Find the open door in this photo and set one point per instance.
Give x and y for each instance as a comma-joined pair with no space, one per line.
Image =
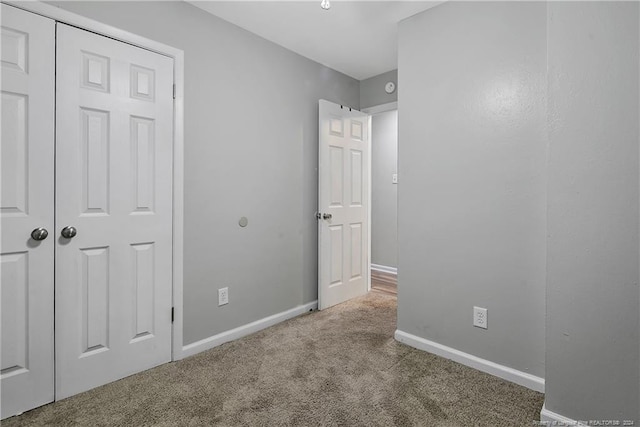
343,211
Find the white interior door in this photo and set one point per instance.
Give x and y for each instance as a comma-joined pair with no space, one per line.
343,229
26,204
114,134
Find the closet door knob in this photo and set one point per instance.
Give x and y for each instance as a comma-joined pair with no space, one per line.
68,232
39,233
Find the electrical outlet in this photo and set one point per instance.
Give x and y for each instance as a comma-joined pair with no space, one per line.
394,178
223,296
480,317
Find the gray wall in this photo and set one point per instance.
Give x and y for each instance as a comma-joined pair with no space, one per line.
472,194
592,281
251,149
372,91
384,194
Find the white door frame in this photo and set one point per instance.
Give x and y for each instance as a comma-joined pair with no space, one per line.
382,108
84,23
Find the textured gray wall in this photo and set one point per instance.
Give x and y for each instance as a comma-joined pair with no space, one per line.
592,281
384,194
472,193
372,91
251,149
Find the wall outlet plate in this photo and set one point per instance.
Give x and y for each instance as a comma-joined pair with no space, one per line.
480,317
394,178
223,296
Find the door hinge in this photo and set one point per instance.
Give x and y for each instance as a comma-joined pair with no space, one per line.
173,311
174,91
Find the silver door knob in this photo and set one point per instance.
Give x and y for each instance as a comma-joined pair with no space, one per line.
327,216
68,232
39,233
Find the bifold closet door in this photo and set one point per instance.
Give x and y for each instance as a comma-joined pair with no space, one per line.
114,133
28,49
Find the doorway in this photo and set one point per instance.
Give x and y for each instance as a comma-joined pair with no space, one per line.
384,198
343,205
347,171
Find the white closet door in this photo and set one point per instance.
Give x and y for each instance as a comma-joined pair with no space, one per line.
114,135
26,199
343,190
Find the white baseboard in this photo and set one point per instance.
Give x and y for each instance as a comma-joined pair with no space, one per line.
384,269
244,330
550,418
504,372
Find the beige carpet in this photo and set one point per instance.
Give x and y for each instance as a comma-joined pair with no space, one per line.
338,367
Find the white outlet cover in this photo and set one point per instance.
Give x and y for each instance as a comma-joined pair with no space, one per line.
394,178
480,318
223,296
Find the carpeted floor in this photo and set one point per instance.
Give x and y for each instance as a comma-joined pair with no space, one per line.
339,367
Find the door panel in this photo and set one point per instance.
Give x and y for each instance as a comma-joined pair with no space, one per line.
114,185
344,194
26,203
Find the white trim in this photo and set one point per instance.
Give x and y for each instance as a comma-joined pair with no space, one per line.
178,207
550,418
369,203
385,269
390,106
501,371
84,23
248,329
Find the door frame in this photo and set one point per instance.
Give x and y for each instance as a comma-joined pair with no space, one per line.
382,108
371,111
70,18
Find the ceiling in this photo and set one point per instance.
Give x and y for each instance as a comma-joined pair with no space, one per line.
357,38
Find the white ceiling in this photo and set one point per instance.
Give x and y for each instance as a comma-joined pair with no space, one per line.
357,38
